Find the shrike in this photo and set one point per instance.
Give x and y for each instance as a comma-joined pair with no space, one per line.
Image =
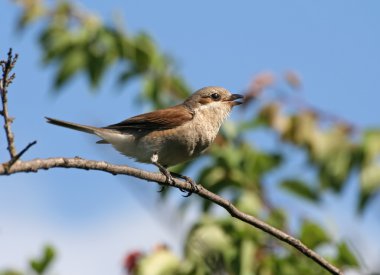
168,136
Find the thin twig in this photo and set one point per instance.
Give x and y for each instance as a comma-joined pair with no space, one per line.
79,163
18,156
7,67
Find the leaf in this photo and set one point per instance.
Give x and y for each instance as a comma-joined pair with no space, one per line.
301,128
371,144
345,257
334,155
249,202
123,44
370,183
257,163
269,113
10,272
277,218
96,66
370,167
209,245
42,264
144,52
313,235
301,189
101,52
73,62
127,75
247,250
32,10
160,262
57,42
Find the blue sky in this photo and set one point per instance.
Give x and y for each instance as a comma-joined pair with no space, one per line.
333,45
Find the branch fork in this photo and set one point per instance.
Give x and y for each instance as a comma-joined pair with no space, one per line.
7,78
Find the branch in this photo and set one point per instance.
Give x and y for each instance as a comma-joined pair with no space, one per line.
9,164
79,163
6,79
7,67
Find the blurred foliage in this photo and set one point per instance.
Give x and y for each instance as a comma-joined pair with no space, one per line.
38,265
78,42
41,265
219,246
334,151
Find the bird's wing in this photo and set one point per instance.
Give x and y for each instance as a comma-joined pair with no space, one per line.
158,120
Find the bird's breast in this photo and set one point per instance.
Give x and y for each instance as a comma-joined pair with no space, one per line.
178,144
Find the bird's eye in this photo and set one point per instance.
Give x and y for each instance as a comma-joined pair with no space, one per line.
215,96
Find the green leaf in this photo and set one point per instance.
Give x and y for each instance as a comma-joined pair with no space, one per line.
313,235
301,128
277,218
10,272
247,250
96,66
32,11
144,52
127,75
210,246
345,257
371,144
102,51
161,262
249,203
370,183
72,63
178,86
269,111
301,189
42,264
334,156
56,42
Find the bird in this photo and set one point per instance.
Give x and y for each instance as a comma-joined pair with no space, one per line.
170,136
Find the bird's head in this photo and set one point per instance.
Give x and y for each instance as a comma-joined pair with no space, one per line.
213,103
213,97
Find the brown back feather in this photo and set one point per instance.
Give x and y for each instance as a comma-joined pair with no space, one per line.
158,120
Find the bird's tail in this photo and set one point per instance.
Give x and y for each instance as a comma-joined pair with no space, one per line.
71,125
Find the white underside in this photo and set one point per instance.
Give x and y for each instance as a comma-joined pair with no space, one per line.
173,146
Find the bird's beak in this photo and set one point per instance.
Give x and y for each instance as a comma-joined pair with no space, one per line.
234,97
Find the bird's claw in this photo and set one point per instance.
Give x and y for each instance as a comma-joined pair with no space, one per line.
170,179
194,187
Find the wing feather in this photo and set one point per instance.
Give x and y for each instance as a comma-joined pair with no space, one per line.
158,120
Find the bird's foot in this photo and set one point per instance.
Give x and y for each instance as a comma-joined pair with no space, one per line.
193,184
169,177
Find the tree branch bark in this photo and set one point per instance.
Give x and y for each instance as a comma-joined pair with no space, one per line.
6,79
79,163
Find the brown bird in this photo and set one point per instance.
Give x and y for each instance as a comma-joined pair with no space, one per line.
168,136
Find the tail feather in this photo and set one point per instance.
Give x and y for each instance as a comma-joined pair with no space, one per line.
102,141
71,125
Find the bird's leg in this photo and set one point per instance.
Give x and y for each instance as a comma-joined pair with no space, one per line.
163,170
188,180
169,176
